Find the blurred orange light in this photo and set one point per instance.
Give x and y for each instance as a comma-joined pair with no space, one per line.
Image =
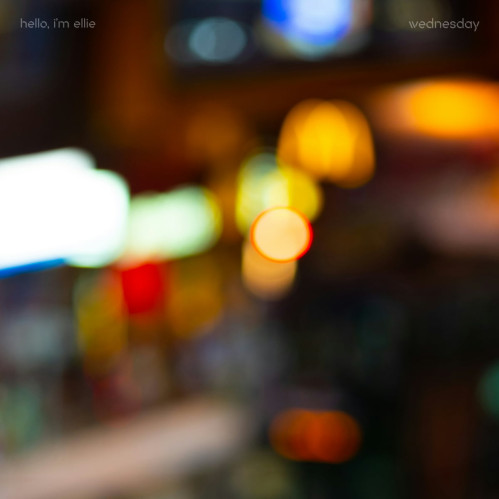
301,435
281,234
444,109
287,433
330,140
452,109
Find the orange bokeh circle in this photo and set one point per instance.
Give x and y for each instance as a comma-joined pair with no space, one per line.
281,234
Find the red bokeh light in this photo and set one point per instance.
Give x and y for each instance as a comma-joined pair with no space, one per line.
143,288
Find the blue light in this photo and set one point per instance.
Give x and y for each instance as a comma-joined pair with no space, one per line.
320,23
31,267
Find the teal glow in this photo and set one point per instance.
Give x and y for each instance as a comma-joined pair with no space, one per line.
488,391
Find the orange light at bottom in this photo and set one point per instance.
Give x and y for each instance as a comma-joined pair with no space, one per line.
281,234
330,437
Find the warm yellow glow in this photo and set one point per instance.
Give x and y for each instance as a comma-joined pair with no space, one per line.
281,234
445,109
325,142
263,184
102,328
330,140
196,298
363,161
264,278
301,192
296,133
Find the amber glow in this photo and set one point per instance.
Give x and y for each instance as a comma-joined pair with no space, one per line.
215,133
330,140
264,278
281,234
318,436
455,109
445,109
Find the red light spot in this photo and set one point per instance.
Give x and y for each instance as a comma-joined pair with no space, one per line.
143,288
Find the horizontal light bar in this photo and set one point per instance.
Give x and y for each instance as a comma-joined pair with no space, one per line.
55,206
176,224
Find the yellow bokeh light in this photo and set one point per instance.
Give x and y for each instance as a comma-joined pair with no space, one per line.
102,327
455,109
281,234
263,184
330,140
196,296
264,278
303,193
